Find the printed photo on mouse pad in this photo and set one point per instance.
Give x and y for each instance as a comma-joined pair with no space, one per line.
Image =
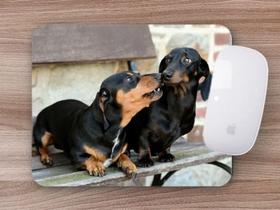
124,105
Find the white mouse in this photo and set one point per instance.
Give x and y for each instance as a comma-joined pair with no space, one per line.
236,102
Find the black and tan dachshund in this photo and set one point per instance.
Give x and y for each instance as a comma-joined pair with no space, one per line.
153,130
93,136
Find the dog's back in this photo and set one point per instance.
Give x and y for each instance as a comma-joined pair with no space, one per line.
57,119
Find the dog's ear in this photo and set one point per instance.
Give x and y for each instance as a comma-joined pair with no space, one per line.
104,96
204,71
162,65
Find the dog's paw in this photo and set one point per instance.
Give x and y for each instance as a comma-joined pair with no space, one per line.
145,162
95,168
129,169
167,157
130,172
46,160
127,166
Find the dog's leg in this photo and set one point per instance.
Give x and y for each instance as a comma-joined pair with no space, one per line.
145,158
127,166
166,156
94,167
45,140
94,163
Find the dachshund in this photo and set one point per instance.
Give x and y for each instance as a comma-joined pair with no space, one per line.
93,136
153,130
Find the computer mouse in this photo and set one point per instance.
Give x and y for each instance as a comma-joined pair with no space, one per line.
236,101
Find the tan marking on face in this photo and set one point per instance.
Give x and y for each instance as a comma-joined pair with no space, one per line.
126,165
95,153
94,167
47,139
133,101
129,73
186,78
177,77
121,152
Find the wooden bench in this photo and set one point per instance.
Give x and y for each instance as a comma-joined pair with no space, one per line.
71,43
64,174
62,43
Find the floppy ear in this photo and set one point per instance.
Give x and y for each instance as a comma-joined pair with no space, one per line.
204,87
162,65
203,69
104,96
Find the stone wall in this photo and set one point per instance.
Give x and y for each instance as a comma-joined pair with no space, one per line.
54,82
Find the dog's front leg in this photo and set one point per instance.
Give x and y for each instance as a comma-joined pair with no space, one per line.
94,167
145,157
127,166
90,159
166,156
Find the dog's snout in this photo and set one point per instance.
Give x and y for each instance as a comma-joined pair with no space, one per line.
154,76
158,76
167,75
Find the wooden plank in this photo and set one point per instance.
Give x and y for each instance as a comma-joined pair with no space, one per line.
62,173
59,160
194,156
91,42
256,180
56,170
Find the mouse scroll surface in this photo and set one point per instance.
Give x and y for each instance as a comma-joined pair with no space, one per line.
236,102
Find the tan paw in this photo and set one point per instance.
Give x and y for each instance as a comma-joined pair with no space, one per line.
127,166
46,160
95,168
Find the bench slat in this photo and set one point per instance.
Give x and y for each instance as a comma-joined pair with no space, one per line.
59,160
186,155
91,42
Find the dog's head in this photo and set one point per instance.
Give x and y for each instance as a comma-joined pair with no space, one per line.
129,92
183,65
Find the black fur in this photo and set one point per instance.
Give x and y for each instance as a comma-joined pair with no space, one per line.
74,125
153,130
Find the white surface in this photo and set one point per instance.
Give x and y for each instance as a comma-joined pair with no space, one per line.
236,102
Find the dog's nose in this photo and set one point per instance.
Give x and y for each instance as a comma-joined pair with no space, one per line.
167,75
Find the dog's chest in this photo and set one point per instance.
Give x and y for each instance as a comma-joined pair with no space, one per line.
164,130
118,147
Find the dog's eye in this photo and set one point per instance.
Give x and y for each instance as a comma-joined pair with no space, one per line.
167,60
129,78
104,93
187,60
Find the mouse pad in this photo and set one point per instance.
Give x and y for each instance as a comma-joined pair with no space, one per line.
124,105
